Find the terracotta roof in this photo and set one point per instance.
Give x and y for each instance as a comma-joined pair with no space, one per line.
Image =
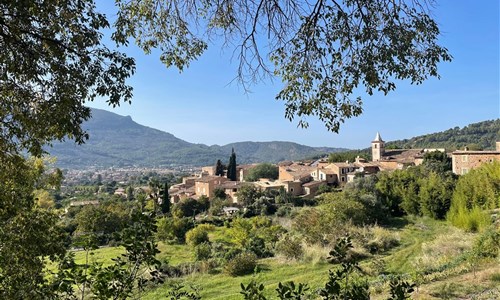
402,155
231,184
313,183
267,184
299,171
343,164
327,171
365,165
210,178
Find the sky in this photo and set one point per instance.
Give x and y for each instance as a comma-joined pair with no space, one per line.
203,105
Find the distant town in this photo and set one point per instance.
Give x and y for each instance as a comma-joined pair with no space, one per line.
297,178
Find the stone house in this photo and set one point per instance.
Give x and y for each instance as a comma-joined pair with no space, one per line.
324,174
267,185
341,170
208,170
231,189
310,188
205,186
465,160
295,172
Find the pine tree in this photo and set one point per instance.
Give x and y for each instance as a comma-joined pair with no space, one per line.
219,168
231,168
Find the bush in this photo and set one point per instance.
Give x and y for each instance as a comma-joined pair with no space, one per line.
242,264
198,235
224,251
257,245
180,270
264,170
472,220
202,251
216,206
284,211
475,193
290,248
173,229
189,207
488,243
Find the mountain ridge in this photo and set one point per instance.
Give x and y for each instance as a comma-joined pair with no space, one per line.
117,140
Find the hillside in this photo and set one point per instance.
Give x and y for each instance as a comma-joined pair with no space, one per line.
482,135
119,141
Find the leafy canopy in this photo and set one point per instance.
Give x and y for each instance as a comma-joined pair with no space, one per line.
324,51
52,61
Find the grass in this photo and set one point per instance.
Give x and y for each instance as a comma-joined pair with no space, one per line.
412,236
174,254
426,244
272,271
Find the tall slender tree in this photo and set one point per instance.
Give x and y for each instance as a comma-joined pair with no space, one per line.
231,167
219,168
165,200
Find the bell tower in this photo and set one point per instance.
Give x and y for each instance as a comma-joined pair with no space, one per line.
378,148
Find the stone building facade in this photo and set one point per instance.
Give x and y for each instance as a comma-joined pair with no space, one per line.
465,160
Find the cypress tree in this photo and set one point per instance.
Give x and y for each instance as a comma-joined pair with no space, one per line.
165,201
219,168
231,168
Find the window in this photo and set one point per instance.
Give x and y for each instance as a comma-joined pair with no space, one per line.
375,146
464,158
464,171
342,178
291,189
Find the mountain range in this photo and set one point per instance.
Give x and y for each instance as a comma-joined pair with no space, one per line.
119,141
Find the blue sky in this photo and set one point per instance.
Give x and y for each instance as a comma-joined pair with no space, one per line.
201,105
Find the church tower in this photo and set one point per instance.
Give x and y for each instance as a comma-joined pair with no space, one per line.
378,148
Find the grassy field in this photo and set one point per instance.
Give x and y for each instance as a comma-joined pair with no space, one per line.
434,248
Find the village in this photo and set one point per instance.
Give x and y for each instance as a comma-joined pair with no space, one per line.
303,179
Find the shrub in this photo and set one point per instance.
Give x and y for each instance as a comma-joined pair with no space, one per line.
488,243
199,234
187,208
283,211
173,229
202,251
290,248
257,245
217,205
341,209
472,220
180,270
224,251
475,193
242,264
